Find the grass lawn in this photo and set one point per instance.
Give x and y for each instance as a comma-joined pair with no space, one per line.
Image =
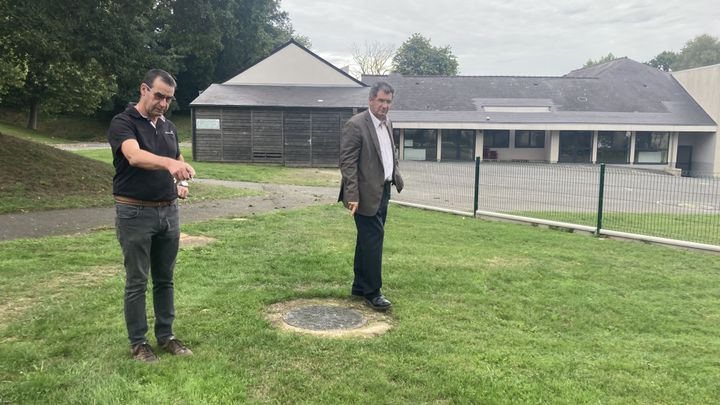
701,228
246,172
38,177
70,129
485,312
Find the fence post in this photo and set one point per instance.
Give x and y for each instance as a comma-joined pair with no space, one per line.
477,185
601,196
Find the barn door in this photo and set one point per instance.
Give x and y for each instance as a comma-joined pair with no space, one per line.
326,138
297,129
267,138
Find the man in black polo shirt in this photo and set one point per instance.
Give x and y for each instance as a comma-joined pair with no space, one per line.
150,174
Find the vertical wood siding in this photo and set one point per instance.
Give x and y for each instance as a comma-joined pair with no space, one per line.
290,136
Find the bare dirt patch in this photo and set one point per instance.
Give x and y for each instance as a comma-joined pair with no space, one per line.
375,323
191,241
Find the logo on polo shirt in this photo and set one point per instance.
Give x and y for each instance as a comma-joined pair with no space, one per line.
170,133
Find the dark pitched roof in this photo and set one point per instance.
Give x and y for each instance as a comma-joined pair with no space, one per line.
282,96
622,89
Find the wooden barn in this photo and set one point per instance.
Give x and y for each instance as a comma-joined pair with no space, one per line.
288,108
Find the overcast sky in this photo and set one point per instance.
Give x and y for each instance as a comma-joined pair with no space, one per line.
508,37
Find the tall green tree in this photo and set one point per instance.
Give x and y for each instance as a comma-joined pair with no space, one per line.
417,56
702,50
212,40
82,56
606,58
665,60
12,71
75,52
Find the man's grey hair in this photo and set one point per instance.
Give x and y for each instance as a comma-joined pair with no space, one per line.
153,74
381,86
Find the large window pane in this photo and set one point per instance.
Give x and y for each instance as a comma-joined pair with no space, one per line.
613,147
529,139
458,144
420,144
496,138
575,147
651,147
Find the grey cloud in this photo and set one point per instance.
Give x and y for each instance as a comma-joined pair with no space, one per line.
509,37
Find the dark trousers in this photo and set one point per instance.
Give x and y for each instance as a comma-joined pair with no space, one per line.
149,238
369,248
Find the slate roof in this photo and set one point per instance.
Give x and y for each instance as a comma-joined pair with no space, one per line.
621,91
282,96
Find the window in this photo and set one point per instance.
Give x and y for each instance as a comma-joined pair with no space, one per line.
458,144
613,147
651,147
575,147
396,137
420,144
529,139
495,138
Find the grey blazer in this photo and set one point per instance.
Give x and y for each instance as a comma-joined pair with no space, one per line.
363,176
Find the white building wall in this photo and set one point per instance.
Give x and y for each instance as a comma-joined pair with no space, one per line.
703,153
703,84
292,66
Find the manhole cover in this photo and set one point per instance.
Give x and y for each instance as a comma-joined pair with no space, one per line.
319,317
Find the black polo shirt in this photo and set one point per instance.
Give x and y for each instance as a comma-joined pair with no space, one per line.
161,140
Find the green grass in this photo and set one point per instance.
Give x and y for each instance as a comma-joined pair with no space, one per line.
485,312
28,134
701,228
257,173
36,177
56,129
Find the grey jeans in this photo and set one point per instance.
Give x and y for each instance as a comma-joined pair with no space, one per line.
149,238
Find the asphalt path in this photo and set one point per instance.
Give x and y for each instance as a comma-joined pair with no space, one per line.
516,187
82,220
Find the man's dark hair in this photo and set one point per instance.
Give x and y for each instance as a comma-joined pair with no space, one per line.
381,86
153,74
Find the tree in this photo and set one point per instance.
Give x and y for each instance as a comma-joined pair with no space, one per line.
417,56
606,58
71,51
664,61
702,50
234,34
12,71
373,59
82,56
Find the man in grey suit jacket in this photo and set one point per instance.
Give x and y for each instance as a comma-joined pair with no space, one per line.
369,166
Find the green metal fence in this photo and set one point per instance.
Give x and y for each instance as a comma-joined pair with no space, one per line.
623,199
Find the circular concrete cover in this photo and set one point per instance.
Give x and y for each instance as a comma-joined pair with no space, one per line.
323,317
329,317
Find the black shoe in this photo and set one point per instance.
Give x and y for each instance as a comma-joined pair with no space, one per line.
379,303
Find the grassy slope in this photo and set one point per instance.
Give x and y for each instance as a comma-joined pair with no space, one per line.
486,312
35,176
70,129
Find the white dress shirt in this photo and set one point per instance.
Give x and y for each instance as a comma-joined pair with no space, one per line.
386,149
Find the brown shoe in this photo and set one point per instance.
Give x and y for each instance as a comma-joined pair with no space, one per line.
175,347
143,352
